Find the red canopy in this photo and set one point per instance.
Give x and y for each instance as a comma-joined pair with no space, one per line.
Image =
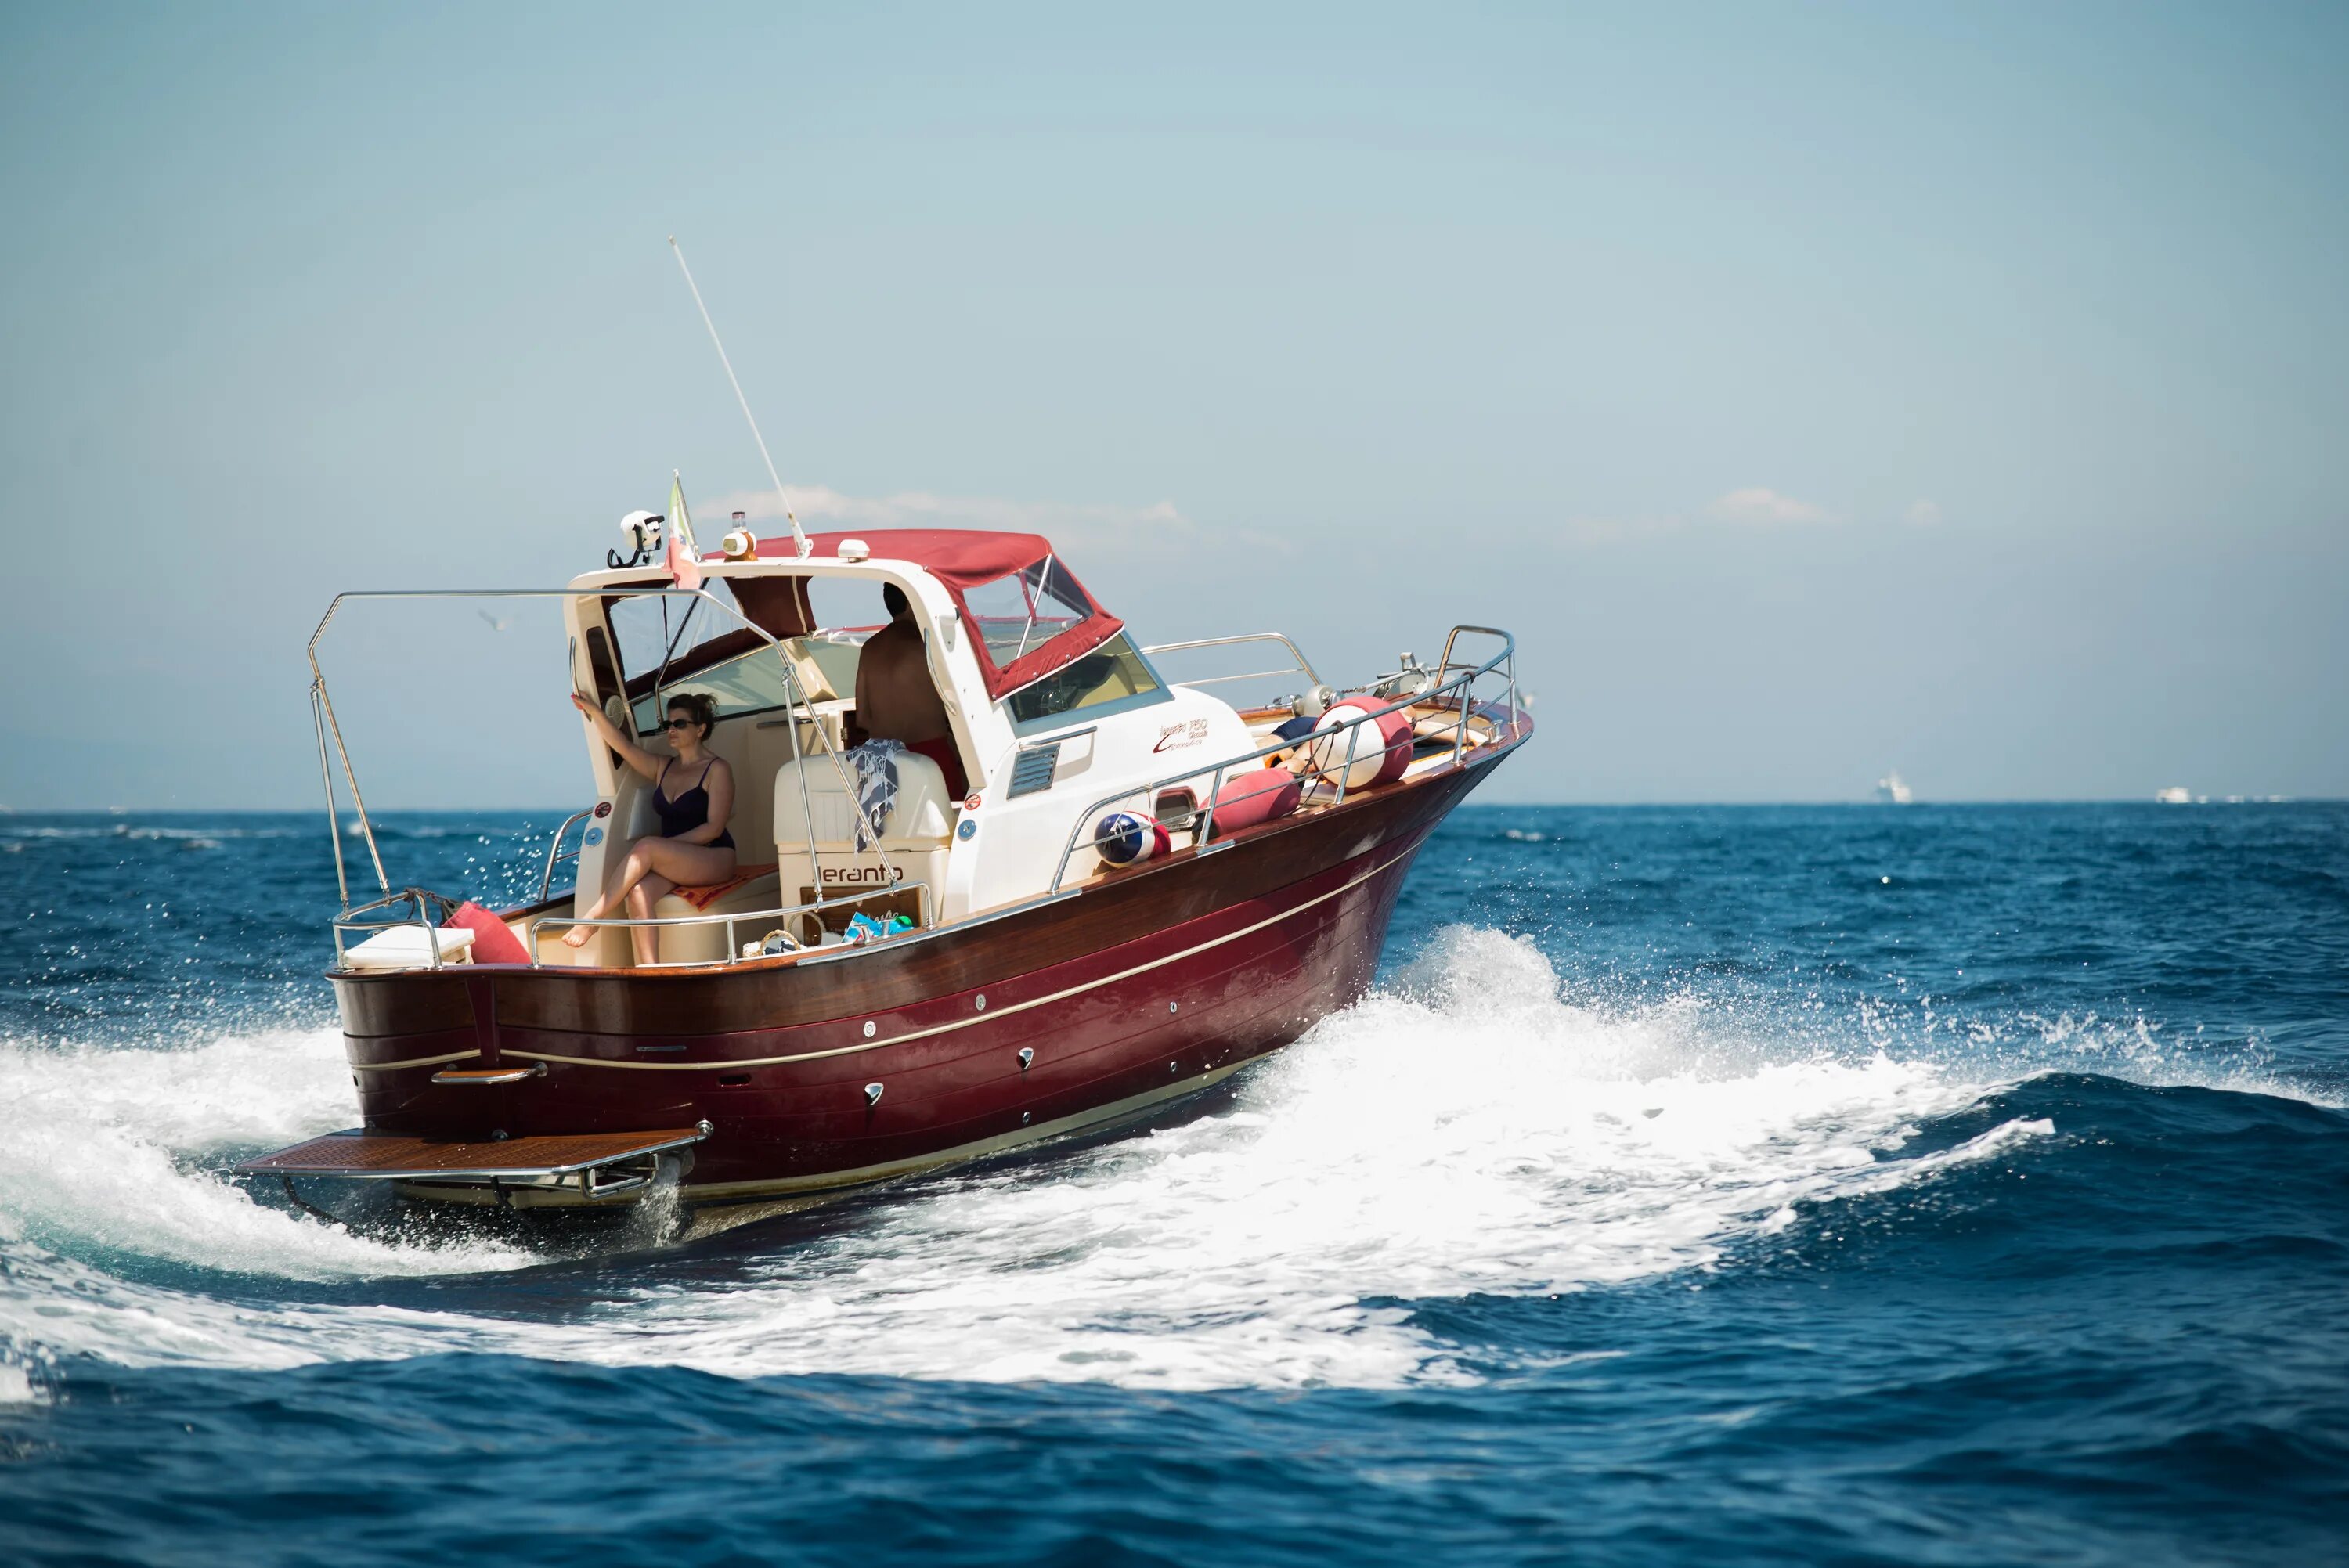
967,560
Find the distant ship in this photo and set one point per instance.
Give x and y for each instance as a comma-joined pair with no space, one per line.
1893,790
2176,795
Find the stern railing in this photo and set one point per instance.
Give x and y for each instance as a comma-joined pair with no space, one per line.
418,901
785,914
796,701
554,855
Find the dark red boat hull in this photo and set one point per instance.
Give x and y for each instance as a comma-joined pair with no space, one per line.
1127,994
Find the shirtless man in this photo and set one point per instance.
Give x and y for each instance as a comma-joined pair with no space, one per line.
896,698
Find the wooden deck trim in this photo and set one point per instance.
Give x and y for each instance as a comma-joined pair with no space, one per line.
383,1156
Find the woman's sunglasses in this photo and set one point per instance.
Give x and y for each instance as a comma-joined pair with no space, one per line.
682,724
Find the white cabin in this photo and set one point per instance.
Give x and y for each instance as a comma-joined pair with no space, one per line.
1052,706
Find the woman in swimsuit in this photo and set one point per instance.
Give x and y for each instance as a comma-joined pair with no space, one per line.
694,849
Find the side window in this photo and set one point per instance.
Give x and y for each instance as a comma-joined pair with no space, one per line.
1111,679
1021,611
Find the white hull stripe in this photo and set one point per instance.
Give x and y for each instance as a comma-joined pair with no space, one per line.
730,1064
414,1062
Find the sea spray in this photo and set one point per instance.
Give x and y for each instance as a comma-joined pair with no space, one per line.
1467,1130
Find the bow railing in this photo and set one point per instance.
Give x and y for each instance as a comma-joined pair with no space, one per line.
1441,683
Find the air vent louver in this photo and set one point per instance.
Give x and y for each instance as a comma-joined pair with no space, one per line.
1033,771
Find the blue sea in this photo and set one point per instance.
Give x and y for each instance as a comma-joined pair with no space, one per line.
1829,1185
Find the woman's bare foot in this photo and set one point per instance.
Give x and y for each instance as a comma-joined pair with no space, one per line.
578,935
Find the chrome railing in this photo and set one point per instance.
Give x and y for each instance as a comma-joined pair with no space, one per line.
418,901
554,855
421,903
748,916
1463,684
1507,658
1301,664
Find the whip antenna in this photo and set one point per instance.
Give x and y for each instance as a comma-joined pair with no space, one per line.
804,547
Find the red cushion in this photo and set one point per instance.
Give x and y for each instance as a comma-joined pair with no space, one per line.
1257,796
1394,728
493,940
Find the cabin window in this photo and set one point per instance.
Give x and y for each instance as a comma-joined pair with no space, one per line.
1111,679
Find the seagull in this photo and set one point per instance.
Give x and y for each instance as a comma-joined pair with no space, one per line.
495,624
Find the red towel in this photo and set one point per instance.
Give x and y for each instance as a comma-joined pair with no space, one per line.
701,898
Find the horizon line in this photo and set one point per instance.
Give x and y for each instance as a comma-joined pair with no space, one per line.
313,810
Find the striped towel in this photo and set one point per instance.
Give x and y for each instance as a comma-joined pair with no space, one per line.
876,762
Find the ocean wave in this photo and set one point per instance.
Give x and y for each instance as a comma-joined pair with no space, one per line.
116,1152
1471,1128
394,832
14,837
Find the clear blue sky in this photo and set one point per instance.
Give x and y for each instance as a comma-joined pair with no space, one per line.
1814,390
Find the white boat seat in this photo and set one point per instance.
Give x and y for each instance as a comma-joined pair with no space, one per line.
706,944
913,844
410,946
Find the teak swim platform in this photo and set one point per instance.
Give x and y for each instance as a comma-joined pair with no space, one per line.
1140,889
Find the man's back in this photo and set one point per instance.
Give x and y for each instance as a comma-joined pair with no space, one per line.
895,698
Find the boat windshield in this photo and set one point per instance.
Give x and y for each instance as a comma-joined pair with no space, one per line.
1111,679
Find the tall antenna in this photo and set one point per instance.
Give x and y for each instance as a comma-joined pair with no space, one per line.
804,547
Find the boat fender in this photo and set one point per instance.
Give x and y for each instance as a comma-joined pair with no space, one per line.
1259,795
1123,839
1327,751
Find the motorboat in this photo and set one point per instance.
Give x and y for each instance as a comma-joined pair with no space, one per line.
1133,890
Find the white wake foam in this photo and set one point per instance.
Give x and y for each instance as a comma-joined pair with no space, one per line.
104,1146
1468,1131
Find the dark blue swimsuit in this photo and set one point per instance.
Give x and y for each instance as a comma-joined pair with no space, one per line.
688,810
